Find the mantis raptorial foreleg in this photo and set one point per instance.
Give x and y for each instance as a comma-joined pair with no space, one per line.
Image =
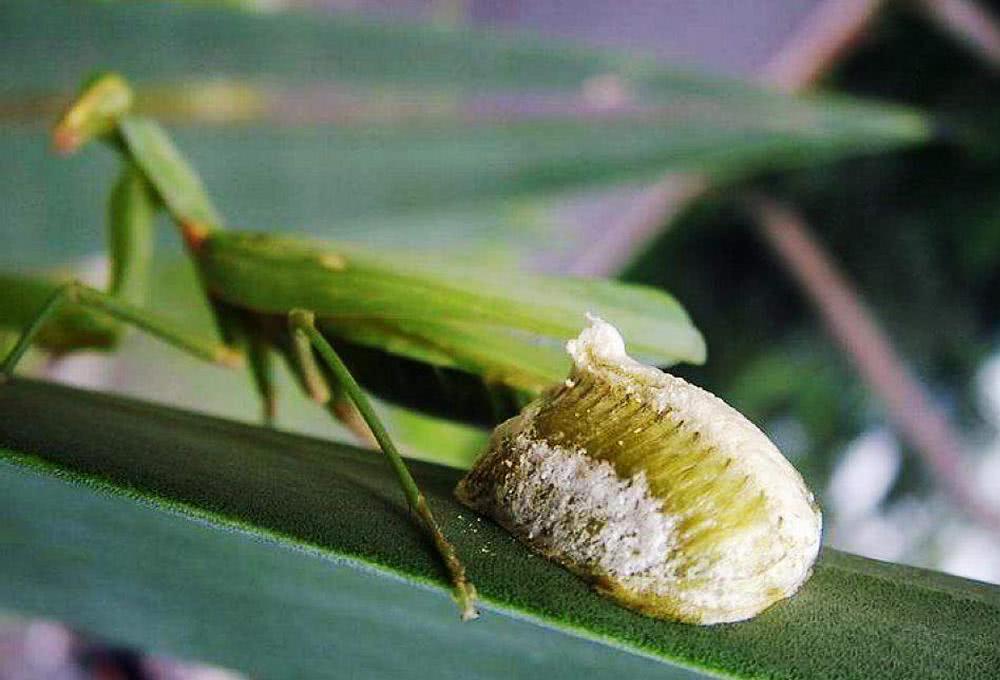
131,212
83,296
302,325
102,111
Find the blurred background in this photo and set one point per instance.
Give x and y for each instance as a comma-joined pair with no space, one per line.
851,309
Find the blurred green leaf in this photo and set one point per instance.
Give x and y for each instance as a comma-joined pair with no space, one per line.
157,41
328,180
311,177
451,444
299,188
286,556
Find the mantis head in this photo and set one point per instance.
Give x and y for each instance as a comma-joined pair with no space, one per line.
93,113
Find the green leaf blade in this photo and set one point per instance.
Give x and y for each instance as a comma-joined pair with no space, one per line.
275,172
338,509
159,41
327,619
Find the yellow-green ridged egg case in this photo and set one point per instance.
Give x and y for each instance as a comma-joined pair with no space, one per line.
669,500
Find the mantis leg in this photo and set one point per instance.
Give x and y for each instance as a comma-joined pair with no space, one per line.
262,372
130,244
131,211
344,410
305,364
65,331
78,294
178,186
102,111
333,398
237,331
302,324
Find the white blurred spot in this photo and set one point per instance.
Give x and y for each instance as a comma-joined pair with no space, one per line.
605,92
864,475
987,476
93,271
877,537
890,536
47,646
89,370
988,387
971,552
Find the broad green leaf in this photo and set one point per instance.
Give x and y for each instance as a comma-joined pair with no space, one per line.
284,556
416,176
382,170
158,41
64,218
161,41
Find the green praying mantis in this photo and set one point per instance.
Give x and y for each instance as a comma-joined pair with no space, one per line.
476,345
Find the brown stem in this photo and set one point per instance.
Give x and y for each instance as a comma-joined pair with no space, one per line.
820,40
855,329
822,37
970,23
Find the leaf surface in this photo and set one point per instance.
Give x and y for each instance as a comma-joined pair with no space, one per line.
279,554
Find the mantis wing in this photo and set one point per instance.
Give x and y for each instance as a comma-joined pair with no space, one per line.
442,337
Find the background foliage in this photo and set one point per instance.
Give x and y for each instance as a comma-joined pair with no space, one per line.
277,112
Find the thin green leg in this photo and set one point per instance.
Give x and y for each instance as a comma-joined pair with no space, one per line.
305,364
79,294
302,323
262,372
303,361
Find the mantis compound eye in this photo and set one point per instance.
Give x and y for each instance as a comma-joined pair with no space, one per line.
663,496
